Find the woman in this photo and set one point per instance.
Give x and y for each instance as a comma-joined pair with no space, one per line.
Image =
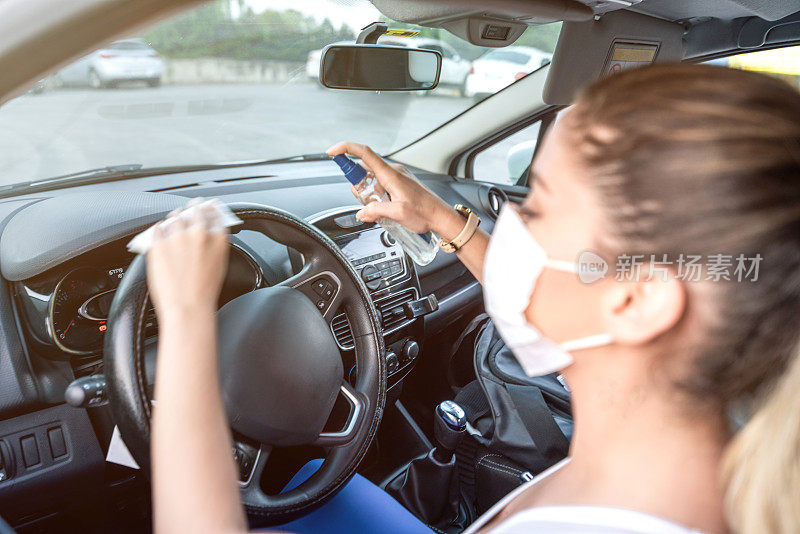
655,164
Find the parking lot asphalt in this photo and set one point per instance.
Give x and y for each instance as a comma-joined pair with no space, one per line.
72,129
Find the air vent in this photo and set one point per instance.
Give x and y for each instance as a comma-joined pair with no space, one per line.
173,188
495,199
341,331
217,181
391,310
239,178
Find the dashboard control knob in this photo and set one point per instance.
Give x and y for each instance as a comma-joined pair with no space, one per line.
371,276
387,240
410,350
392,362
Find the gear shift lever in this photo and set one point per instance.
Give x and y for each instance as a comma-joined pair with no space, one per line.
449,426
428,485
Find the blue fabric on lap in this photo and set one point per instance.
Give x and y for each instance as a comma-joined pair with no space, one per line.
359,507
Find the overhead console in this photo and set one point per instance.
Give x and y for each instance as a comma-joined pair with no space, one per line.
500,25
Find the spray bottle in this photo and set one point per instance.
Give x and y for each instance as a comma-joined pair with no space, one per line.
421,247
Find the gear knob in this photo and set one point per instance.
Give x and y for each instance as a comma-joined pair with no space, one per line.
449,425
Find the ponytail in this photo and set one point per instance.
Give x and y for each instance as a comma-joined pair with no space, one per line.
761,468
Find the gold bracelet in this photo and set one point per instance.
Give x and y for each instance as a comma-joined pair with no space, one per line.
469,230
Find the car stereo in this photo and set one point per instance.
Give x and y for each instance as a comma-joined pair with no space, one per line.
377,257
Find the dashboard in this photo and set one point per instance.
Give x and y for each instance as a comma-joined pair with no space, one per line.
64,310
63,255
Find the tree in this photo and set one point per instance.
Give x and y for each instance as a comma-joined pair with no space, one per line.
211,31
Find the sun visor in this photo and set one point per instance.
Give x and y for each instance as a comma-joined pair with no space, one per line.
617,41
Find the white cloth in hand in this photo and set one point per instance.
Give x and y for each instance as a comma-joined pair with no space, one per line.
142,242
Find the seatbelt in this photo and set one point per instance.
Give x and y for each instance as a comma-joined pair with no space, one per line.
538,420
473,325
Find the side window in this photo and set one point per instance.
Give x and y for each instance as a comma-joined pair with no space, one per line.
507,160
778,62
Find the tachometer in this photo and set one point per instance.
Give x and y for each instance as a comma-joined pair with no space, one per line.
73,331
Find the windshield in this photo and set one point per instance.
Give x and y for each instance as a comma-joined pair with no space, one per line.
231,81
506,55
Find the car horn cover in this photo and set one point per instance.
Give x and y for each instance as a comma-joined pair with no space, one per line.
280,369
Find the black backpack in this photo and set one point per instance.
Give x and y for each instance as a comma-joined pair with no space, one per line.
519,425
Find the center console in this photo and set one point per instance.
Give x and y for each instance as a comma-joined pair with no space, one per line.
393,284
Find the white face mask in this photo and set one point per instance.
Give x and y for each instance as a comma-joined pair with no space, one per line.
514,261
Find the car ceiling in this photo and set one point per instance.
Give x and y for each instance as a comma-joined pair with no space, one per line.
688,10
712,27
432,12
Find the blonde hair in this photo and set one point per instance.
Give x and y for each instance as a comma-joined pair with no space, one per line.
762,464
706,160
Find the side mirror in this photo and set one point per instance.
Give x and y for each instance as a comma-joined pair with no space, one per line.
519,158
367,67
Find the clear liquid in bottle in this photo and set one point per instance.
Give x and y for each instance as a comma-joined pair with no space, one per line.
421,248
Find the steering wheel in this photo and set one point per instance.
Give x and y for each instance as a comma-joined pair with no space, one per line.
280,369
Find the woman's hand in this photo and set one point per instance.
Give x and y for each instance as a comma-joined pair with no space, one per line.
412,204
195,486
187,262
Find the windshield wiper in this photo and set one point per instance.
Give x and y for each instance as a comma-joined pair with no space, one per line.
134,170
100,172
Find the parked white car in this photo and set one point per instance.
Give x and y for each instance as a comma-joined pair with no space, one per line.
315,59
501,67
454,67
126,60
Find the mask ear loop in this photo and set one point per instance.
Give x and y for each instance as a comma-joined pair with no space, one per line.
562,265
588,342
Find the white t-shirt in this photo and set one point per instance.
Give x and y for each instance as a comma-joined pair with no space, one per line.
573,519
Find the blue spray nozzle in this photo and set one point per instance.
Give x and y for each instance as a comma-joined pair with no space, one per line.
354,172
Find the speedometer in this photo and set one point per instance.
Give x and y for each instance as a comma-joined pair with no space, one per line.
73,331
81,301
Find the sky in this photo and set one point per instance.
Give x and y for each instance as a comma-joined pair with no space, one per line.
356,13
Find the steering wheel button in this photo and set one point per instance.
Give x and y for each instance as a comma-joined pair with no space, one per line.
327,292
319,286
321,304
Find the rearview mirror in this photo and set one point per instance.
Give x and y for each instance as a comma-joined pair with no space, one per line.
367,67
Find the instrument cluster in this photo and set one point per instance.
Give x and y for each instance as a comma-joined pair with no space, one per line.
79,308
76,309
